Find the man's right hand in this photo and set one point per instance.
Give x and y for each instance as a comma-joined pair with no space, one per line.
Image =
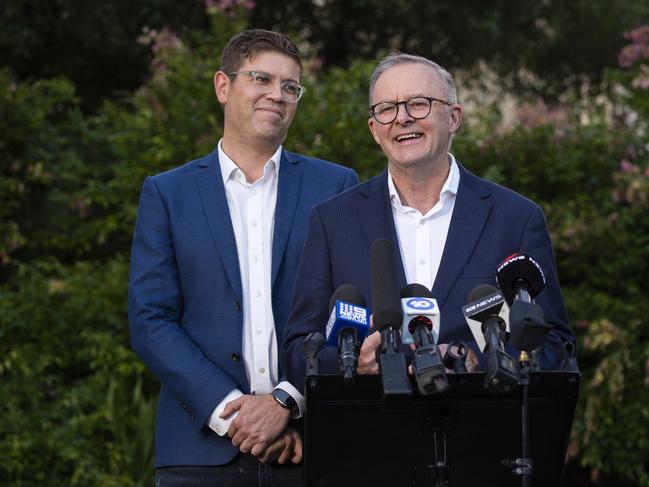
367,363
287,447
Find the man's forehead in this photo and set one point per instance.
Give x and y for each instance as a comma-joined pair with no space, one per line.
407,80
272,62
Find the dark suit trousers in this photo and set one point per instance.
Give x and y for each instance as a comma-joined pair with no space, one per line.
243,471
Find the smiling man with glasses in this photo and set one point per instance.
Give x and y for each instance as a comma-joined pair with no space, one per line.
450,229
215,252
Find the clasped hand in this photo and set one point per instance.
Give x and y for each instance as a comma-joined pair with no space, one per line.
260,429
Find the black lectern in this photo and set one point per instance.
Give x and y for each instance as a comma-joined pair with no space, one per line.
464,437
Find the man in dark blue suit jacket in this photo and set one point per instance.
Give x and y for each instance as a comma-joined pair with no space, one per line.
215,253
450,229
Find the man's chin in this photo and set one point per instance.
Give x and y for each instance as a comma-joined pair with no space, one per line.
272,135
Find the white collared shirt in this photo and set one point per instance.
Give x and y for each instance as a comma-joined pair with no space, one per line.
252,211
422,237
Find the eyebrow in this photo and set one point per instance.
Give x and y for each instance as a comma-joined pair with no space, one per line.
416,95
274,75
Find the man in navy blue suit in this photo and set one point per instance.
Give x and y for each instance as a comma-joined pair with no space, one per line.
215,253
450,229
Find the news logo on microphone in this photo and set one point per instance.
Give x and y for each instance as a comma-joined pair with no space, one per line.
346,315
419,306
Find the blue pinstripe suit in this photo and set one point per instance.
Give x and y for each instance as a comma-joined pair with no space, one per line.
489,223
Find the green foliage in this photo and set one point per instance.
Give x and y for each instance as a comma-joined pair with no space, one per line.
597,213
78,406
75,410
560,43
93,44
331,122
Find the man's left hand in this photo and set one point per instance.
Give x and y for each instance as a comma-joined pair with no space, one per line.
287,447
260,422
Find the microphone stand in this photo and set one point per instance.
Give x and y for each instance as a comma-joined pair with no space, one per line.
392,364
529,333
523,466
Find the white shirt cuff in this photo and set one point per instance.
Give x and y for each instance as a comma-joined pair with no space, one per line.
295,394
218,424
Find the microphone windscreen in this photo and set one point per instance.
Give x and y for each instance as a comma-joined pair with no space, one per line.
481,291
348,293
416,290
520,267
386,302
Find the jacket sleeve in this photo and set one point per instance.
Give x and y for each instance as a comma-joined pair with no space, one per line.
536,242
155,311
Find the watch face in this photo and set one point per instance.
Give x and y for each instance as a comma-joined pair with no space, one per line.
284,398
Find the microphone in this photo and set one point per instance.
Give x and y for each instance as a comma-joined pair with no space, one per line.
387,317
521,279
485,303
456,360
347,327
312,345
493,299
417,301
419,313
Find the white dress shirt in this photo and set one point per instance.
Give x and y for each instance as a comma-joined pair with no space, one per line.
252,211
422,237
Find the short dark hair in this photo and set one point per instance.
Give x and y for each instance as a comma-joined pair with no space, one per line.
249,43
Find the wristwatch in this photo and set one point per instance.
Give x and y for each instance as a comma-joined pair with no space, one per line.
285,400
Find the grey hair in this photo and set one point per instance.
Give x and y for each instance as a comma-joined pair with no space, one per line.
397,58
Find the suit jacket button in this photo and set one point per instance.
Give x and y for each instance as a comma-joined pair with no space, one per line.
237,306
236,357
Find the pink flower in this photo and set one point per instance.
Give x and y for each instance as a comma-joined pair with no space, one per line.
639,35
628,55
627,167
539,114
638,49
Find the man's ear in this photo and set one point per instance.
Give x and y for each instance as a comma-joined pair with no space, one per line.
457,115
371,123
222,84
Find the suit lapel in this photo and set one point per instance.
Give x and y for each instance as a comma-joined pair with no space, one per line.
472,207
215,205
288,192
375,214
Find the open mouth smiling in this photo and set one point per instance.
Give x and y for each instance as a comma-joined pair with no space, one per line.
408,136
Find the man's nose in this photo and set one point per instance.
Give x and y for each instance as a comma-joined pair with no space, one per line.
403,117
276,93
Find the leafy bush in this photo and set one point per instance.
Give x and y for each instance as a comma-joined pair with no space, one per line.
78,406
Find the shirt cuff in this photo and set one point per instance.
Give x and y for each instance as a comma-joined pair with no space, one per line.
218,424
295,394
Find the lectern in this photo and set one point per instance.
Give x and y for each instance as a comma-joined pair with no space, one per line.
466,436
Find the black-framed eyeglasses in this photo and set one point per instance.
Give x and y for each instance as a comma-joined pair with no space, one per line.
291,91
417,107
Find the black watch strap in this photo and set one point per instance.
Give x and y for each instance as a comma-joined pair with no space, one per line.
285,400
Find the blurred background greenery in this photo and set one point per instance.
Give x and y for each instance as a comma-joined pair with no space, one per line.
94,96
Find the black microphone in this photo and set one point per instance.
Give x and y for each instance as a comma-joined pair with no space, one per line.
455,357
521,279
347,327
312,345
427,366
387,317
502,369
